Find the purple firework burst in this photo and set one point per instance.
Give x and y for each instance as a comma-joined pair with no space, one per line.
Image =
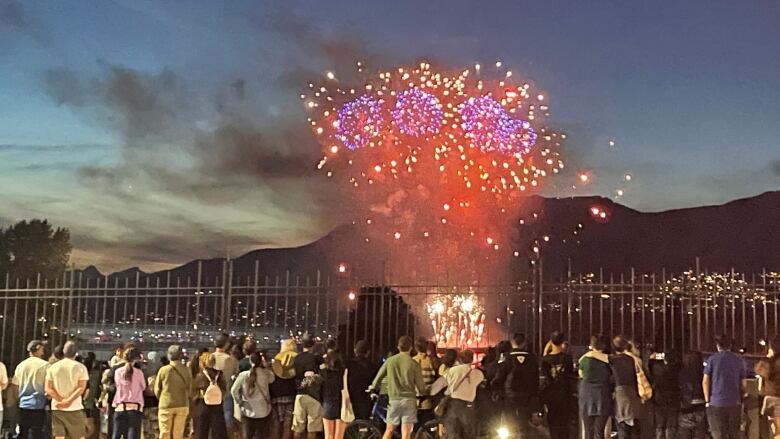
417,113
359,121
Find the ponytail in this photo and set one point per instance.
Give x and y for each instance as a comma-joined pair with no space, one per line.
257,362
131,356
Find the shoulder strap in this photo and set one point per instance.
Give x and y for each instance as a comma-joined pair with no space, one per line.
461,381
183,380
209,378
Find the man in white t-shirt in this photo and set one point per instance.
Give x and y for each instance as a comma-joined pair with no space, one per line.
66,381
28,379
462,384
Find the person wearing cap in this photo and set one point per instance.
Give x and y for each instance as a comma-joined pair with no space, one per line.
29,378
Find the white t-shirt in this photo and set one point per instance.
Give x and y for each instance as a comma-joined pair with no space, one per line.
3,380
466,389
29,376
65,376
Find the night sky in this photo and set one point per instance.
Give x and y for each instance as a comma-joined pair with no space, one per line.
163,131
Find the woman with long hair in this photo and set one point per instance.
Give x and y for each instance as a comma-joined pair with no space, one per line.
128,401
250,391
333,383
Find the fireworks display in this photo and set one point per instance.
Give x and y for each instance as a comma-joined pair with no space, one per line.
458,320
434,160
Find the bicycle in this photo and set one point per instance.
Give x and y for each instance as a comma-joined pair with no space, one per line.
374,428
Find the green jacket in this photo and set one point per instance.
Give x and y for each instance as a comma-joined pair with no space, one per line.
173,387
404,377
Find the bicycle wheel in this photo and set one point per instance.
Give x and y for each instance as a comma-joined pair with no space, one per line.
362,429
429,430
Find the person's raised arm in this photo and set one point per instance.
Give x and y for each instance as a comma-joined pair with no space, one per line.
379,376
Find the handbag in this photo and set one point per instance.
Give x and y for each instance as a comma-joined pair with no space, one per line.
441,408
644,389
347,414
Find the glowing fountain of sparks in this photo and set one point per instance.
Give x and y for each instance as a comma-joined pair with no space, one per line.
458,320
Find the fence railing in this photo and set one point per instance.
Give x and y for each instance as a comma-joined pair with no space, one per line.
683,310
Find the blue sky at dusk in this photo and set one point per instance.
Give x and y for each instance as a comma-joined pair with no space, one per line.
161,131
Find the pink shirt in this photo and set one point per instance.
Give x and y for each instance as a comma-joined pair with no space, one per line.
129,391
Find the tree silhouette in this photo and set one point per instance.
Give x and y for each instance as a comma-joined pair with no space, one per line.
31,247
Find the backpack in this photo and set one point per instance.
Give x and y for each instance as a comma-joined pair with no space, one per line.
213,394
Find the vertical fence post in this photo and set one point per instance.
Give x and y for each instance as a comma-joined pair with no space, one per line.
698,304
540,306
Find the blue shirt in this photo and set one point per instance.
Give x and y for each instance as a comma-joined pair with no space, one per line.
726,371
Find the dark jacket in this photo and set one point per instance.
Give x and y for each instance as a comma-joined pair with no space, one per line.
517,376
665,378
361,372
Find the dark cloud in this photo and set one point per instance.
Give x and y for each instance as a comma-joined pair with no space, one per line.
315,49
13,16
65,87
15,19
241,176
775,166
214,159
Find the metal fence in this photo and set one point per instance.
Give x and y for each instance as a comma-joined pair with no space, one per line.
683,310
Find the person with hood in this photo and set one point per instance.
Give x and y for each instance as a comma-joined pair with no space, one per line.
283,389
517,382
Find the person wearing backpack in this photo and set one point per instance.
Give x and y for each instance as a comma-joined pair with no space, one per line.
172,387
559,387
211,388
250,390
517,382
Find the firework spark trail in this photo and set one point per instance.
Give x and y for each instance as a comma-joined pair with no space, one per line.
436,162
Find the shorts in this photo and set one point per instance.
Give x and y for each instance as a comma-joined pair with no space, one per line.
307,415
283,408
402,411
331,410
70,425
